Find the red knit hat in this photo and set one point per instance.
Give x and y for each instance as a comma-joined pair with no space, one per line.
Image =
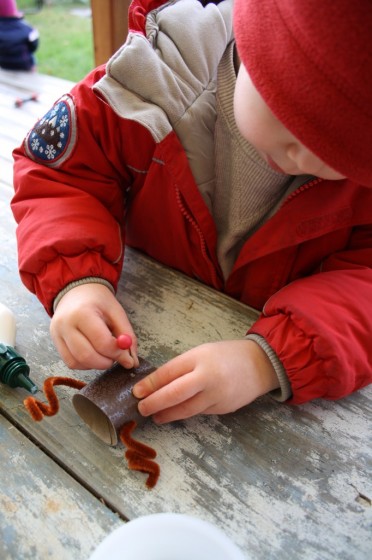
311,60
8,8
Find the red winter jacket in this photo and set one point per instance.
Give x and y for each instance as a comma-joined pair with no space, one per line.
118,173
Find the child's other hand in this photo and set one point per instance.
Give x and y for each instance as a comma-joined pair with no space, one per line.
85,326
214,378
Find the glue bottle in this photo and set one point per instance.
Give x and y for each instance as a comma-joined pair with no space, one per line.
14,370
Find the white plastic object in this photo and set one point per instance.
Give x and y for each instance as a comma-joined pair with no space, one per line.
7,326
167,536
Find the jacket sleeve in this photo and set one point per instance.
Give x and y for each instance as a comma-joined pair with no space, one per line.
33,40
70,211
320,326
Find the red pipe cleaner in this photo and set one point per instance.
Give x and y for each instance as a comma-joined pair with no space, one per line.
139,455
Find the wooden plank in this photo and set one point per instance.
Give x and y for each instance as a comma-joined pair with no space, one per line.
44,513
283,482
15,122
271,476
110,27
28,82
21,85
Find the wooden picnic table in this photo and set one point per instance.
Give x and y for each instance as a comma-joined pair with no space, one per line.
283,482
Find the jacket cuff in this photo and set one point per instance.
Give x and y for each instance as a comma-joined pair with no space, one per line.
284,392
82,281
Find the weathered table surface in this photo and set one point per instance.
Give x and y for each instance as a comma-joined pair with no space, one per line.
282,482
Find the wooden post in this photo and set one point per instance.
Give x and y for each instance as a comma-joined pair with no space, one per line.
110,27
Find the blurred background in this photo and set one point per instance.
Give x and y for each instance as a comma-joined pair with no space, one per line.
66,36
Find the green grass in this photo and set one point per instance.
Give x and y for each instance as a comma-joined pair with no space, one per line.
66,40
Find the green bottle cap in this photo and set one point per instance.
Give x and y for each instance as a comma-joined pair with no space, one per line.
27,383
14,370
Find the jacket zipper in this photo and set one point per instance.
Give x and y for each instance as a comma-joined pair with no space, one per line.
184,212
295,193
200,234
303,188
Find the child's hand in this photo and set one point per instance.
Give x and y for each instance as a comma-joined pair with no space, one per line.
213,378
85,326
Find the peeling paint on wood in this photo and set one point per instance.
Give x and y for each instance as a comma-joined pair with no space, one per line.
44,513
283,482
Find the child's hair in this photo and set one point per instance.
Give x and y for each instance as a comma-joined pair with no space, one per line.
311,61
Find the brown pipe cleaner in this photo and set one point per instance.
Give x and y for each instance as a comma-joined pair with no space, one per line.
138,454
38,409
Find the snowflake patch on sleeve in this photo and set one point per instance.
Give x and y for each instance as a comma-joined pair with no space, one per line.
53,137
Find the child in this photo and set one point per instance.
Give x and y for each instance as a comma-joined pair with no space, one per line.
272,207
18,40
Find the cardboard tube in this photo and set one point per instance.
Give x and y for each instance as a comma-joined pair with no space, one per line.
107,402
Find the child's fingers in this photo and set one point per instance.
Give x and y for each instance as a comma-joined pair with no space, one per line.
164,375
129,357
78,353
198,404
175,393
